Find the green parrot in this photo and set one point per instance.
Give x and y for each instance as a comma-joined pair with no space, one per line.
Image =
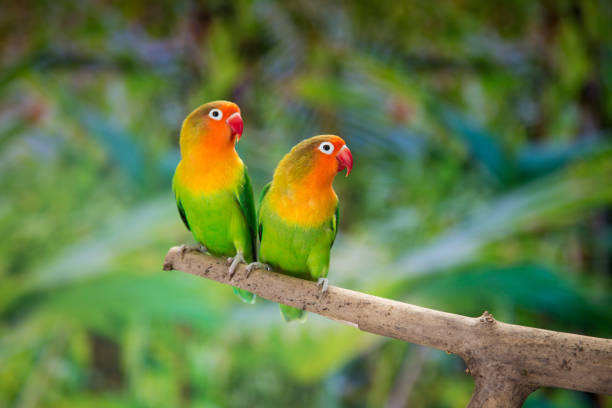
298,212
212,187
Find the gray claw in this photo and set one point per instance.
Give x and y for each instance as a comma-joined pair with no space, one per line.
196,247
235,261
325,283
256,265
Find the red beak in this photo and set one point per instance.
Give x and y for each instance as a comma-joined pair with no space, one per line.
235,123
345,160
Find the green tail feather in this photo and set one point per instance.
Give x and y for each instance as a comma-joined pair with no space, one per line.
292,313
245,296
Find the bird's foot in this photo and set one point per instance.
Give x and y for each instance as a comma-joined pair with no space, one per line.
193,247
323,282
256,265
234,262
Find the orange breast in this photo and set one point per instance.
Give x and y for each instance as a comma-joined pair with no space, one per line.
203,172
307,204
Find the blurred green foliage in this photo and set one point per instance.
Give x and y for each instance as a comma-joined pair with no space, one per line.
482,181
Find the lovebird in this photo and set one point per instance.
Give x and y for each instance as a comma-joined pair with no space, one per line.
212,186
298,212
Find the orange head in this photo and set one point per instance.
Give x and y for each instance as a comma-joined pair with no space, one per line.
214,125
315,161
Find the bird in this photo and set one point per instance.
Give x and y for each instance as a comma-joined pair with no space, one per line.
298,213
213,189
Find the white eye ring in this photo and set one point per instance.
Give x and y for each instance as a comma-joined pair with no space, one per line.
215,114
326,148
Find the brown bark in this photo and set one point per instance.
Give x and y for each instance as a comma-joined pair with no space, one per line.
507,361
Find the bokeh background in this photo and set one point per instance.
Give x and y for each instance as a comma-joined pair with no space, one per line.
482,181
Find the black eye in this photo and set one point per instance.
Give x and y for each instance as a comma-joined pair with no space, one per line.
326,147
215,114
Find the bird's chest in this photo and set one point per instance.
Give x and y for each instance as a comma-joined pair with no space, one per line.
208,177
305,208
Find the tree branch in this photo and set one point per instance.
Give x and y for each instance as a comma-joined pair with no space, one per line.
507,361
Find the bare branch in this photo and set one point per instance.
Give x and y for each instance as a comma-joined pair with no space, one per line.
507,361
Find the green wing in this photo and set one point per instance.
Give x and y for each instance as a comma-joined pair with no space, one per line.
244,196
261,197
181,211
334,226
179,205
